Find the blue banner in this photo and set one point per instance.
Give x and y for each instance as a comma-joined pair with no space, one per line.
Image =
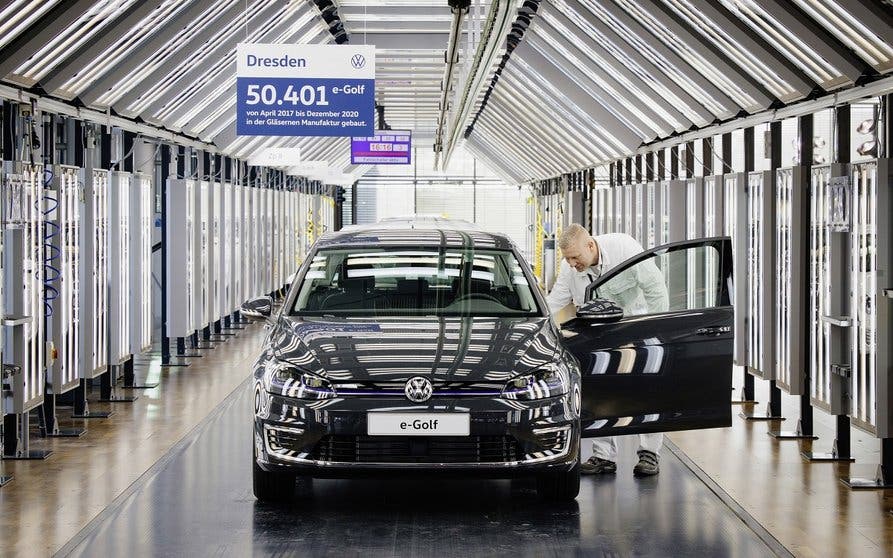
269,106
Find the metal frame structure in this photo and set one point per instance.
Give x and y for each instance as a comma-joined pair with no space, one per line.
790,244
120,267
182,259
761,279
64,374
142,214
23,220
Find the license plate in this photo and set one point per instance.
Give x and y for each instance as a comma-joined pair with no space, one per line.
418,424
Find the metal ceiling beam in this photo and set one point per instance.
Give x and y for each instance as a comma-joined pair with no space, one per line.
647,65
873,16
522,130
405,41
585,45
526,117
744,36
523,161
880,87
730,108
496,164
711,55
40,33
54,106
816,38
90,51
359,28
611,101
519,129
503,132
578,101
227,73
349,13
169,31
173,62
223,68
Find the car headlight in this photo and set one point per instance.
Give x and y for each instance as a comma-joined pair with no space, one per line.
288,381
549,381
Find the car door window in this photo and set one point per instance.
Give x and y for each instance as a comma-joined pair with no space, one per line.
667,280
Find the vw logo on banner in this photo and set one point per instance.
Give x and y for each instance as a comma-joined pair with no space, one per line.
358,61
418,389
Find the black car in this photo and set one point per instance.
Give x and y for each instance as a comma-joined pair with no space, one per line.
431,350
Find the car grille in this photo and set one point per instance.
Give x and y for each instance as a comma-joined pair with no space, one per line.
417,449
441,389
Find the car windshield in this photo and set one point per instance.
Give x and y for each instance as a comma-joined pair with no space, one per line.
415,282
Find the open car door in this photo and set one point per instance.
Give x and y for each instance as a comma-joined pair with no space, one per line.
654,341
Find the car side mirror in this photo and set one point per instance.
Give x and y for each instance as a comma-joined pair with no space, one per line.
261,307
600,310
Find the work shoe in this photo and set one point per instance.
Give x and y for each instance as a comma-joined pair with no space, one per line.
647,464
598,466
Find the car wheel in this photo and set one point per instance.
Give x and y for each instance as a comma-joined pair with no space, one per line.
559,487
272,487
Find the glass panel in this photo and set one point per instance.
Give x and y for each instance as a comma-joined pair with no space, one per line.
662,283
417,282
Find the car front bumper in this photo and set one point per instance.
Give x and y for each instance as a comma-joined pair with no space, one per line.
329,438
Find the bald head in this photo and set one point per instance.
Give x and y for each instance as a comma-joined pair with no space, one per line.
578,247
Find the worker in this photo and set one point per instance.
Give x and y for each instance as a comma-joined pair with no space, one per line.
584,259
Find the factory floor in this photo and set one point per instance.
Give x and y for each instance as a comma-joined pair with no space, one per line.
170,475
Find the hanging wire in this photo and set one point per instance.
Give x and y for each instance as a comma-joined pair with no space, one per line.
50,292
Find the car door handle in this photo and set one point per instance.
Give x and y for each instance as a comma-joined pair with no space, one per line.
717,330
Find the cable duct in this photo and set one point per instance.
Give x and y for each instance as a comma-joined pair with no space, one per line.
496,26
459,8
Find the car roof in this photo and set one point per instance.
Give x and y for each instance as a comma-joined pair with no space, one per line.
416,231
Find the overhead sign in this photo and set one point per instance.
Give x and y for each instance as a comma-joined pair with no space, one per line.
276,157
305,90
386,147
307,168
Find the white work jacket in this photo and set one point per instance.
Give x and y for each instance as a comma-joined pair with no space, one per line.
640,290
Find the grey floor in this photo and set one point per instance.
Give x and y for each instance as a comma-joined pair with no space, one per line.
197,501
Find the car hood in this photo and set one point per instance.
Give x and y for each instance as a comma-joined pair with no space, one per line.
394,350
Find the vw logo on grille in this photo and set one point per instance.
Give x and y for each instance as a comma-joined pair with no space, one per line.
358,61
418,389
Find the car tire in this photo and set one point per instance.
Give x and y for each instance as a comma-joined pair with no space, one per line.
272,487
559,487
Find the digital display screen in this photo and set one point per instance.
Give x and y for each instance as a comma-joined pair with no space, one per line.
386,147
